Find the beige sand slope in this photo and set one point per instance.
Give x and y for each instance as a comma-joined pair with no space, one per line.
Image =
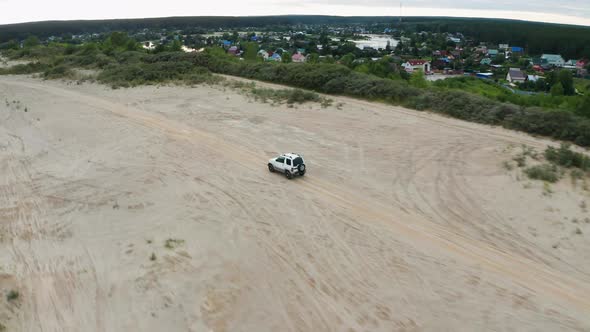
151,209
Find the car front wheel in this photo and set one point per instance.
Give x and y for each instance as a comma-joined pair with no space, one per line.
270,168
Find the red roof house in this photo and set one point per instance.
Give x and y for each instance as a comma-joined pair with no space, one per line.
416,64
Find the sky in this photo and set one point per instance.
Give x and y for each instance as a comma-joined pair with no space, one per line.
562,11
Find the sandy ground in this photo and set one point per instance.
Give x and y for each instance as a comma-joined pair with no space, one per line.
151,209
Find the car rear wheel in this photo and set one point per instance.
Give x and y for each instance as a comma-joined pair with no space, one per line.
288,175
270,168
301,169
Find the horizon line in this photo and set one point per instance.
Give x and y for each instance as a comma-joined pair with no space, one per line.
291,15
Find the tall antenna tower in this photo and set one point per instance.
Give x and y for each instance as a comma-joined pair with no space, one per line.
400,13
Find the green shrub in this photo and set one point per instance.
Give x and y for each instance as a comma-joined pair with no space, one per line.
25,69
12,295
59,71
545,172
564,156
173,243
133,74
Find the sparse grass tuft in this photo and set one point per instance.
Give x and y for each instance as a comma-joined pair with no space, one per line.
173,243
547,191
508,165
576,175
290,96
520,160
12,295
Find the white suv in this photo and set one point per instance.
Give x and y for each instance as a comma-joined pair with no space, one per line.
290,164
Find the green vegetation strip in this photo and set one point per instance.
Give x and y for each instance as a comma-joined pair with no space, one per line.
122,63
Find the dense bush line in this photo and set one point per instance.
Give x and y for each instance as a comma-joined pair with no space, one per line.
336,79
121,67
564,156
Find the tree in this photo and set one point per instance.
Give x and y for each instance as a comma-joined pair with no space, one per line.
176,46
348,60
286,57
132,45
418,79
10,45
324,40
566,79
118,39
314,58
250,51
382,67
31,41
583,108
499,59
557,90
540,85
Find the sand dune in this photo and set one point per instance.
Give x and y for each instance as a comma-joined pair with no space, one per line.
151,209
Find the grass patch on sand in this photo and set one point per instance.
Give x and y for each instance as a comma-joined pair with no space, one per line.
173,243
545,172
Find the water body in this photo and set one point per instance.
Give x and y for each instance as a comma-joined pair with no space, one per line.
376,41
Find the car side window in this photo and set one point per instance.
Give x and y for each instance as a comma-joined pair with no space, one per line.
280,160
288,162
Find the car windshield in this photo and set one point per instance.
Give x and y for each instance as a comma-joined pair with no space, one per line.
297,161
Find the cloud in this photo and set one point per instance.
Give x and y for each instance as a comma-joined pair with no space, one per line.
580,8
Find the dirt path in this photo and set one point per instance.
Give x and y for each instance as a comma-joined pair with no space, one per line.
406,221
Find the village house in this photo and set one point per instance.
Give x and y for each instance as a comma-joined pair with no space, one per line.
553,60
275,57
493,53
581,67
486,61
515,75
412,65
534,78
299,58
481,49
263,54
517,49
233,50
571,64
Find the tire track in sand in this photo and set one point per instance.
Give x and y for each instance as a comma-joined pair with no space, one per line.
410,227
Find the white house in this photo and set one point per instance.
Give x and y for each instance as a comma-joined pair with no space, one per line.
263,54
553,60
412,65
